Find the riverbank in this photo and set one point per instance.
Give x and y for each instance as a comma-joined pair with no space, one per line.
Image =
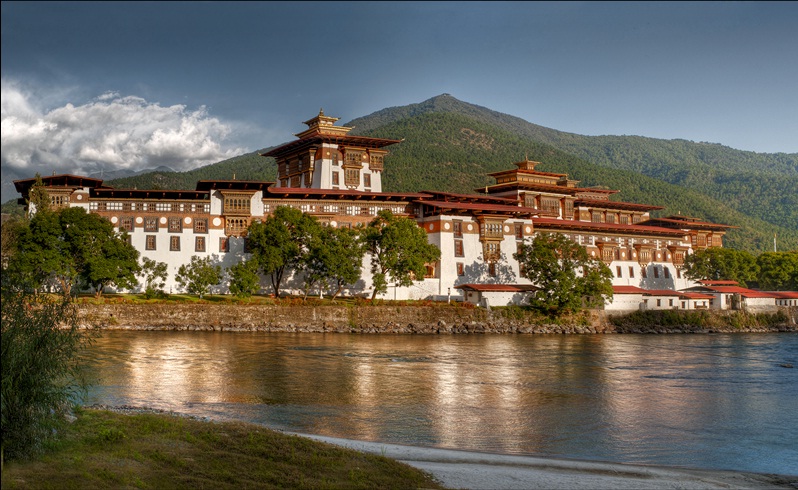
476,471
421,319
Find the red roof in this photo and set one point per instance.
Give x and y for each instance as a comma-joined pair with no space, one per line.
627,206
784,294
627,290
661,292
745,293
607,227
504,288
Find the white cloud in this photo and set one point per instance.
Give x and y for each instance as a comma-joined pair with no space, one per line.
111,132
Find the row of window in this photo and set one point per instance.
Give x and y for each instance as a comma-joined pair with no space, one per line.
644,272
174,224
200,243
150,206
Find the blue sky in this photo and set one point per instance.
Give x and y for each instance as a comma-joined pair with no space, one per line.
113,85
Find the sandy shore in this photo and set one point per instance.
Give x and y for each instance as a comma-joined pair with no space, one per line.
470,470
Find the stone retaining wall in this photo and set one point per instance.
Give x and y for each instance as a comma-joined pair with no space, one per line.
358,319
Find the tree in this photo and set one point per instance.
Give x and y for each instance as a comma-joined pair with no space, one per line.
155,274
244,280
279,243
42,339
399,251
335,257
717,263
565,273
199,275
778,271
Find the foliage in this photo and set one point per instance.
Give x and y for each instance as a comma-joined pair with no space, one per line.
553,263
399,251
155,274
716,263
71,245
778,271
280,242
40,347
199,275
335,256
244,280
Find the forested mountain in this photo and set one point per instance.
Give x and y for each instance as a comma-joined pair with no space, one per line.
450,145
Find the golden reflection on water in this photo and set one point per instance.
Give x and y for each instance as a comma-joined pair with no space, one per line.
614,397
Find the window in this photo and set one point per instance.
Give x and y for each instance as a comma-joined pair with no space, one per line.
175,225
126,224
199,244
239,203
492,269
150,242
678,273
457,226
624,219
458,248
667,273
656,272
174,243
659,302
596,217
519,231
670,302
224,244
643,273
335,179
367,180
163,206
201,225
150,223
618,271
631,272
460,269
550,205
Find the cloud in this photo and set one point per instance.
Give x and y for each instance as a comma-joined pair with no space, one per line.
110,132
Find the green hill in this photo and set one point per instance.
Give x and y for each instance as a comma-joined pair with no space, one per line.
450,145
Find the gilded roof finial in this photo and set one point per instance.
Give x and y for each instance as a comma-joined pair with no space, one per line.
321,111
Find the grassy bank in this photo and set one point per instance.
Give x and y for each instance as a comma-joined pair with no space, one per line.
699,319
103,449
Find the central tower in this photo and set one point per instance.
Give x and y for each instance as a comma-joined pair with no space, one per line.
326,156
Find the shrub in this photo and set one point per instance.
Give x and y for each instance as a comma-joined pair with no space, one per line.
41,341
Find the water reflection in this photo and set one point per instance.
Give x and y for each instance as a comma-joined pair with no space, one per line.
707,401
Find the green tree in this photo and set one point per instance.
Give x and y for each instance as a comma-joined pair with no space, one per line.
42,339
199,275
244,280
155,274
778,271
399,251
70,246
717,263
280,243
335,257
566,274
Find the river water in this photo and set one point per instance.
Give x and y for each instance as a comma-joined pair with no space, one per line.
701,401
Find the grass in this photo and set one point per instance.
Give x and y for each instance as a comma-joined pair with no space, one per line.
103,449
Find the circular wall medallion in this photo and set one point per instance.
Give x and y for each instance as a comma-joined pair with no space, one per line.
506,228
470,227
187,220
334,224
114,219
431,227
163,220
446,226
623,255
139,220
658,256
593,253
634,255
528,229
79,197
217,221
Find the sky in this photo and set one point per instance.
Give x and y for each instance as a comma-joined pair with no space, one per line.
100,86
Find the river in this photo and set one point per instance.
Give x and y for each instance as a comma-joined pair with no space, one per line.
698,401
